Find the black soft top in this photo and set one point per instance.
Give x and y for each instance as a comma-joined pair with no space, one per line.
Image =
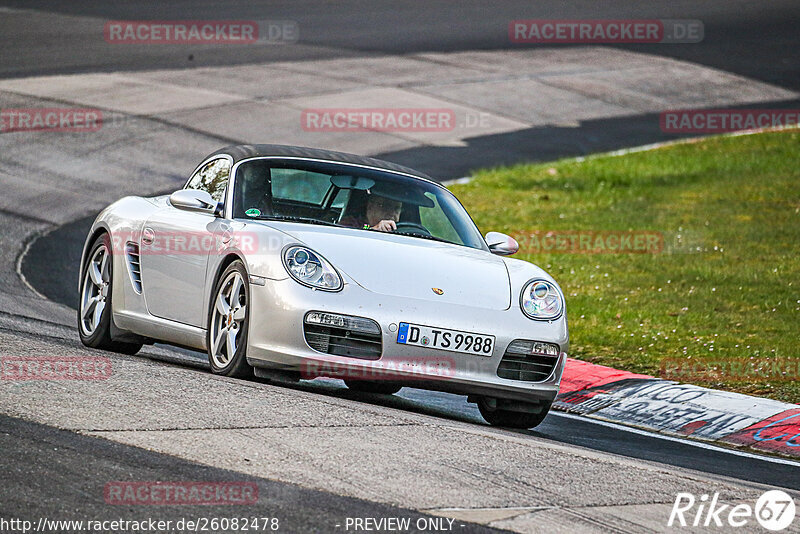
242,152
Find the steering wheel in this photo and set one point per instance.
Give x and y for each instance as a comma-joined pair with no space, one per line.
406,227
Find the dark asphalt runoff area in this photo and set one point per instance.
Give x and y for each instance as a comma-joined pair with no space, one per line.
754,39
61,476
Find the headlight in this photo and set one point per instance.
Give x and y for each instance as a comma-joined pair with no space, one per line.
311,269
541,300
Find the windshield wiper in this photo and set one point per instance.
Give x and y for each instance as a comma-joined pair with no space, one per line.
292,218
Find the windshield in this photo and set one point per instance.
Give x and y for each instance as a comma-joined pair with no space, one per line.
349,196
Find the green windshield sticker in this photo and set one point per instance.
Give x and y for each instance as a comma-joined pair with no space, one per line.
253,212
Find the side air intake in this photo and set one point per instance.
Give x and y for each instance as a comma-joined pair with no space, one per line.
134,265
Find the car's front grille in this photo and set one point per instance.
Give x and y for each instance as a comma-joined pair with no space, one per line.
354,337
529,361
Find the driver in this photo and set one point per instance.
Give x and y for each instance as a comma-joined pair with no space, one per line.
382,214
255,186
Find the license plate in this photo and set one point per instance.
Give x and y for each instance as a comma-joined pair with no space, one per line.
444,339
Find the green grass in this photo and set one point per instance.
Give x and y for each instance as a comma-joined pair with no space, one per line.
725,287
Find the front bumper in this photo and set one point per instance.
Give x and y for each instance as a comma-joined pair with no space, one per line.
276,340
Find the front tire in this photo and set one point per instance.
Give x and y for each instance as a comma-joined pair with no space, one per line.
228,320
512,419
94,310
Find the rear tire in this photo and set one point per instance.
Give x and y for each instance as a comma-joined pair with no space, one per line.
511,419
228,321
96,292
381,388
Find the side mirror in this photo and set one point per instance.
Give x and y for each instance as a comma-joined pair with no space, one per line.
501,244
193,200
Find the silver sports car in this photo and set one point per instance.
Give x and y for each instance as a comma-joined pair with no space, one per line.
301,263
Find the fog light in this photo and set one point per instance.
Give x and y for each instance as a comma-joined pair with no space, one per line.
346,322
539,348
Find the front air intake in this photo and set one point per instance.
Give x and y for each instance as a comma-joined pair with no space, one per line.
528,361
343,335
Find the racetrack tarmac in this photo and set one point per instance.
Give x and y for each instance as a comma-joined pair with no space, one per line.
56,475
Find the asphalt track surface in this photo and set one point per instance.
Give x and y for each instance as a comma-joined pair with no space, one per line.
755,39
61,475
752,39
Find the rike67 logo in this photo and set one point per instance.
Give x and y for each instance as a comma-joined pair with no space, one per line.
774,510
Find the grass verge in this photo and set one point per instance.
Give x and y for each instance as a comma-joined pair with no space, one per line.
717,304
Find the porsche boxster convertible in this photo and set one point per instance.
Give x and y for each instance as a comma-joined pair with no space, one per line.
297,263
